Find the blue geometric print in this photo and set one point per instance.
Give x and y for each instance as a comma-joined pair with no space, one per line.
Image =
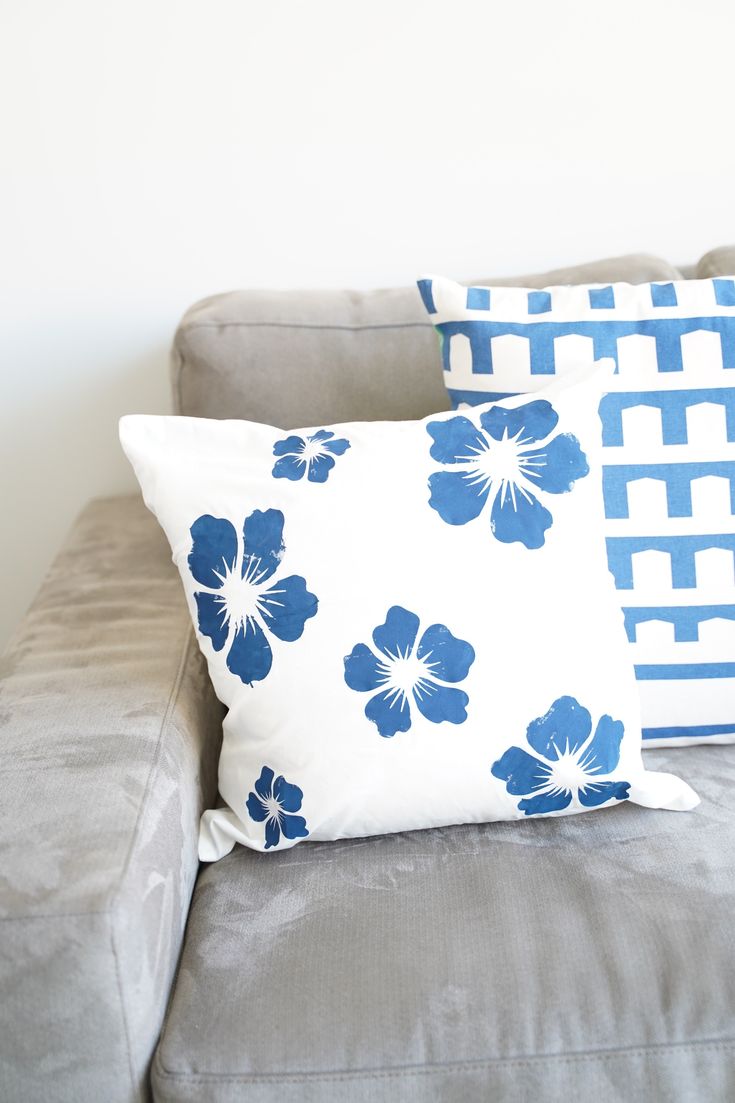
673,406
685,618
478,298
602,298
678,478
692,731
692,437
677,672
724,292
427,296
667,333
681,549
663,294
539,302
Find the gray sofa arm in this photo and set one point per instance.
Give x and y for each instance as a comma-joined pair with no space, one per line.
109,738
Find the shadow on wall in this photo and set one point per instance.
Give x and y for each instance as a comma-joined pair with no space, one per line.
58,449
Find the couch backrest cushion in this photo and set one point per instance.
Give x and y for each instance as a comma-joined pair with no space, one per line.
718,262
295,358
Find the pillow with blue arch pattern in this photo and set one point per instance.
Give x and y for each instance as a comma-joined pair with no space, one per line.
411,623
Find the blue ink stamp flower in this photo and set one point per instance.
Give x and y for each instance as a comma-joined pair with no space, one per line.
508,462
236,607
568,763
311,456
275,801
400,670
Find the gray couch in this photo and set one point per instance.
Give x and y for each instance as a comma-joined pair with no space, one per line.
588,957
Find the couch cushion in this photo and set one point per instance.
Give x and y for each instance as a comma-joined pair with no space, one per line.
292,358
582,957
718,262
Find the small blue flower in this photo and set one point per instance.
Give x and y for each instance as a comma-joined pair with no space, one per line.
568,761
273,801
401,669
315,454
504,465
235,606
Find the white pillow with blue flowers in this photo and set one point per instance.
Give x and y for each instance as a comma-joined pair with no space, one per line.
411,624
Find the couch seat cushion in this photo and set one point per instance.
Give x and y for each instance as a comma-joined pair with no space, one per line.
505,961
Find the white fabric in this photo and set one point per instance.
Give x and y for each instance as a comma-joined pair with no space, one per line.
512,632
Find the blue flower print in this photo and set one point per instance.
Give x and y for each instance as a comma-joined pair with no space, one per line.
508,461
568,761
401,669
314,455
236,607
274,802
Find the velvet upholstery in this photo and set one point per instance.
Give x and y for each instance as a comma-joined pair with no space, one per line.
580,958
294,358
110,734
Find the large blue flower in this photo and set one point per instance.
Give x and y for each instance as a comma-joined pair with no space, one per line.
235,605
508,462
568,763
314,455
401,669
274,801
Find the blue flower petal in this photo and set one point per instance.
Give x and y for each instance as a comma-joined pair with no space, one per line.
337,447
398,634
517,516
546,802
455,440
250,656
557,466
286,607
288,796
532,421
598,792
321,435
448,658
439,703
456,496
289,446
289,467
263,535
214,549
256,808
363,669
294,827
264,784
521,772
212,618
272,833
319,468
603,753
565,727
390,712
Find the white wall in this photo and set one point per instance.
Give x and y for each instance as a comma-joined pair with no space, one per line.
155,151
